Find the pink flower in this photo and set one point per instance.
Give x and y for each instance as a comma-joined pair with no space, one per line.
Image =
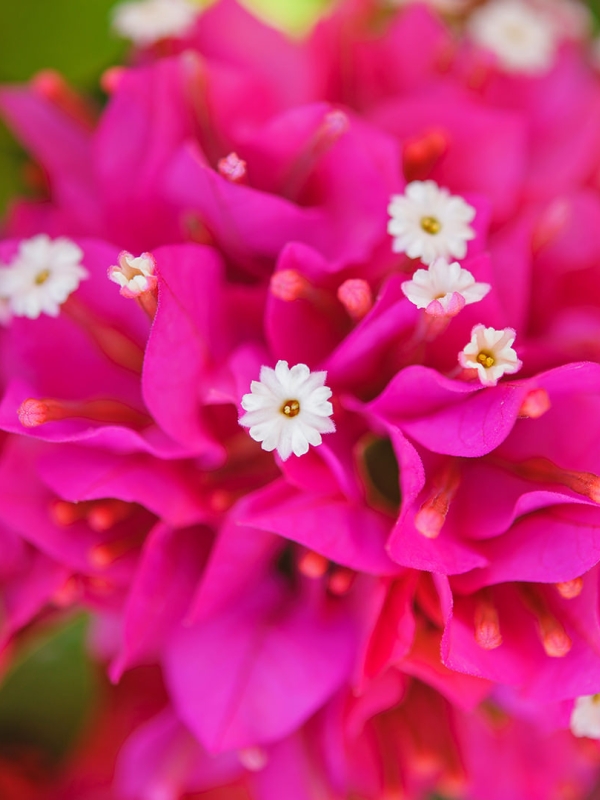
386,608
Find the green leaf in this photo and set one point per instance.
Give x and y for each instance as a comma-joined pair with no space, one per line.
11,165
48,692
72,36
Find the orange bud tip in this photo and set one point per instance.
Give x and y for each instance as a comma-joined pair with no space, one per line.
429,522
313,565
536,403
111,78
556,643
101,556
341,580
48,83
356,297
288,285
487,624
64,513
488,636
570,589
32,413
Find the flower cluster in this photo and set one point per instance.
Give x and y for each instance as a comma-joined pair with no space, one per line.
300,393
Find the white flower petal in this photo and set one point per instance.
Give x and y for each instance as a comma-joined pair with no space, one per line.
42,276
585,717
277,430
149,21
495,344
523,38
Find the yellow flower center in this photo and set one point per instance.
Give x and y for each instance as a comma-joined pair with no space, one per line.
291,408
42,277
431,225
486,359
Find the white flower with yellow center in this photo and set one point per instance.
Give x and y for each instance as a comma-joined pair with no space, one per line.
444,289
427,222
41,276
491,354
145,22
522,38
585,717
288,409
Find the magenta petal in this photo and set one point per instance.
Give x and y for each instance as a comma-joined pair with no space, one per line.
240,558
485,147
162,759
347,533
447,553
257,671
510,249
117,438
152,105
25,504
576,673
412,473
163,587
363,356
186,339
163,487
289,773
392,636
26,592
518,659
282,64
247,224
299,331
555,544
439,413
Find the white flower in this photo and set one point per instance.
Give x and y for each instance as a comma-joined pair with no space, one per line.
491,354
585,717
41,276
148,21
523,39
288,409
428,222
134,275
443,288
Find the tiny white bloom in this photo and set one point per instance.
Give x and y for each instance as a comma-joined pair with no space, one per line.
491,354
523,39
145,22
288,409
585,717
41,276
443,288
428,222
134,275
